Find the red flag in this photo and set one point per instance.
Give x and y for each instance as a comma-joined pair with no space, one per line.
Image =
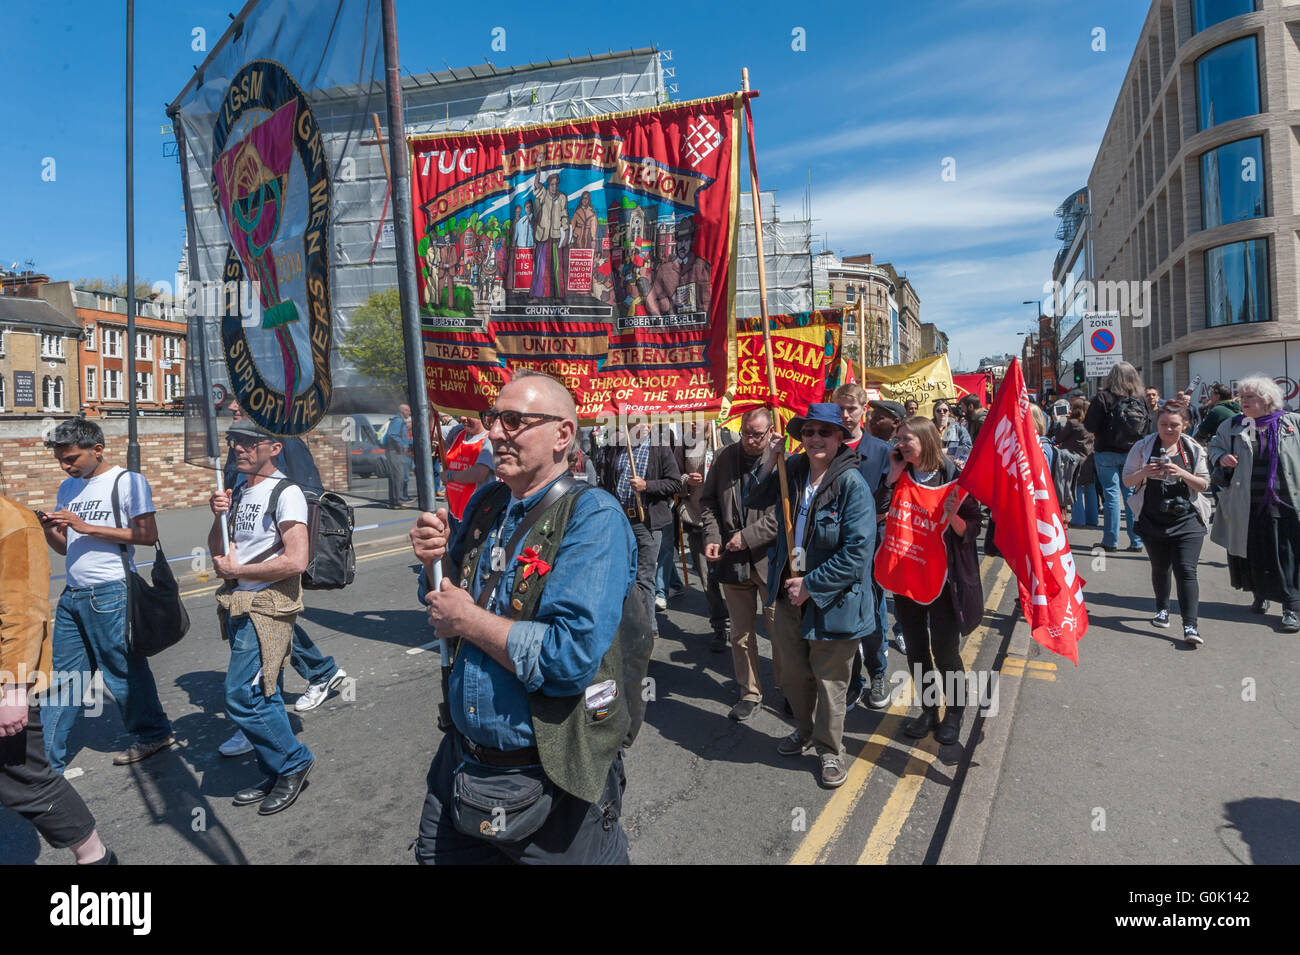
1008,471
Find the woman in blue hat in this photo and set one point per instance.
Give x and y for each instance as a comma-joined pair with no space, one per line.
821,590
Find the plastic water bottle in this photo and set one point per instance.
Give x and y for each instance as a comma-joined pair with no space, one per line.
1164,462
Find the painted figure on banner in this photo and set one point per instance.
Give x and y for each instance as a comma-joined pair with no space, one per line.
549,228
682,281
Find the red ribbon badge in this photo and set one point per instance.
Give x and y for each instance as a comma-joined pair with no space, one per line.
532,561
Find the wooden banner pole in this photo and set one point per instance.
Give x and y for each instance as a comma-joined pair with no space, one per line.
767,331
631,465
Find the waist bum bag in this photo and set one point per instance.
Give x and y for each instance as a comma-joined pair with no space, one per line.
500,805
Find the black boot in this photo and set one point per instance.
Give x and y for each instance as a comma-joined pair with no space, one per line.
950,728
919,727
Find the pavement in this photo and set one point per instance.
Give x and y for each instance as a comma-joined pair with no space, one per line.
1145,753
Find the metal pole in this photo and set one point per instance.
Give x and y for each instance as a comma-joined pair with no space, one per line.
132,439
197,322
400,162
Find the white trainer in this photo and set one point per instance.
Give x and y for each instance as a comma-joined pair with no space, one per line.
315,694
237,745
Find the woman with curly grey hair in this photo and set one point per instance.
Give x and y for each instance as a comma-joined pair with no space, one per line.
1257,456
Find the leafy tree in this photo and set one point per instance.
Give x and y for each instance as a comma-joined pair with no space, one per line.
373,341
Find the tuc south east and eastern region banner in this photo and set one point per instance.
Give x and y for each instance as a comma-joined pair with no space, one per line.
600,251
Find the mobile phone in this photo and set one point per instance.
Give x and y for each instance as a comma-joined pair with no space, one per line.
41,515
896,454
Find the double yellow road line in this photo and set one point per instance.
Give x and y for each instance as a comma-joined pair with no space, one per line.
831,822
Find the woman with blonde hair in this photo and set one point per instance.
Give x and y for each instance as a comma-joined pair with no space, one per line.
933,630
1118,419
1257,457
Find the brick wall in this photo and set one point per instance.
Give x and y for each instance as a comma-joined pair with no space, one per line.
31,476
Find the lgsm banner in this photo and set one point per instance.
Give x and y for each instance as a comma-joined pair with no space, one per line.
805,347
599,251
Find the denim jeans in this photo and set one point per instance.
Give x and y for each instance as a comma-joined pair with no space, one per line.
1110,465
667,578
306,658
874,651
1085,505
263,719
89,635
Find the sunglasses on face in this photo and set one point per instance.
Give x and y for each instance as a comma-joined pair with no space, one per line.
246,443
512,421
808,432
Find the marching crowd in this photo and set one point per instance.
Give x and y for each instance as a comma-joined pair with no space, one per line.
557,548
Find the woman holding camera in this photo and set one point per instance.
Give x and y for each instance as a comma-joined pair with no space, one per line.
933,630
1168,473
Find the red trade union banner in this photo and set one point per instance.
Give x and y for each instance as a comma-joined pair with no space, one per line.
912,560
600,251
1008,471
805,346
977,385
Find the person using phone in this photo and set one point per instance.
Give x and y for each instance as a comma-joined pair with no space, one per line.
933,631
1168,473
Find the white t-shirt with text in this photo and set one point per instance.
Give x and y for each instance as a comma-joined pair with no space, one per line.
255,530
91,561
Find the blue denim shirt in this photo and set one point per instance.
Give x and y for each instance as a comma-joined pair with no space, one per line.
560,649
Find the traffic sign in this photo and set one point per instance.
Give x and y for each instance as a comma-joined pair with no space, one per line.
1102,348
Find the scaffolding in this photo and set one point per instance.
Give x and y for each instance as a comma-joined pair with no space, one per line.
787,255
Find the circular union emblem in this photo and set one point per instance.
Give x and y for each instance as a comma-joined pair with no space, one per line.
271,184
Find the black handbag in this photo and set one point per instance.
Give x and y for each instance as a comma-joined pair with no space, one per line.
156,618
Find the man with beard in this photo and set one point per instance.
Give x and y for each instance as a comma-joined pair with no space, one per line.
550,229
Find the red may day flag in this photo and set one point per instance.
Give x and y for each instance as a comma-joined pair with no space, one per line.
1008,471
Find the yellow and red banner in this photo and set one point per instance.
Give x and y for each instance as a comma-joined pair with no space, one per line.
805,347
600,251
980,385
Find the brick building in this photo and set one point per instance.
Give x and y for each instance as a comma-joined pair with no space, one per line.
39,358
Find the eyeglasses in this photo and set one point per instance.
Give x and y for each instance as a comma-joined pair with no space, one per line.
756,435
807,432
248,443
513,421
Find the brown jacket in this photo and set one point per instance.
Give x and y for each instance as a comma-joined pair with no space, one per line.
25,649
724,513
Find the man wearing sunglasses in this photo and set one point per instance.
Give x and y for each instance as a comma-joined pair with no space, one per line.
530,698
645,474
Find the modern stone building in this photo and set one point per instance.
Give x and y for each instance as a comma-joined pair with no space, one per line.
1194,191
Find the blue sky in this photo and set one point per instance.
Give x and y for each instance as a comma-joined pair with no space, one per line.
1012,90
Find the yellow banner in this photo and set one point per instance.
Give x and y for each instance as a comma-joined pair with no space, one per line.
923,381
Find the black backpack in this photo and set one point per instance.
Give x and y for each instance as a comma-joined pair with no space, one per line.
1129,422
331,559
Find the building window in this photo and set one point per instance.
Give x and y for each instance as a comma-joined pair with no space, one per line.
1206,13
1232,183
90,384
143,386
52,393
171,348
89,335
2,343
112,384
51,346
850,294
171,387
144,347
1227,82
880,297
1236,283
112,343
2,392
